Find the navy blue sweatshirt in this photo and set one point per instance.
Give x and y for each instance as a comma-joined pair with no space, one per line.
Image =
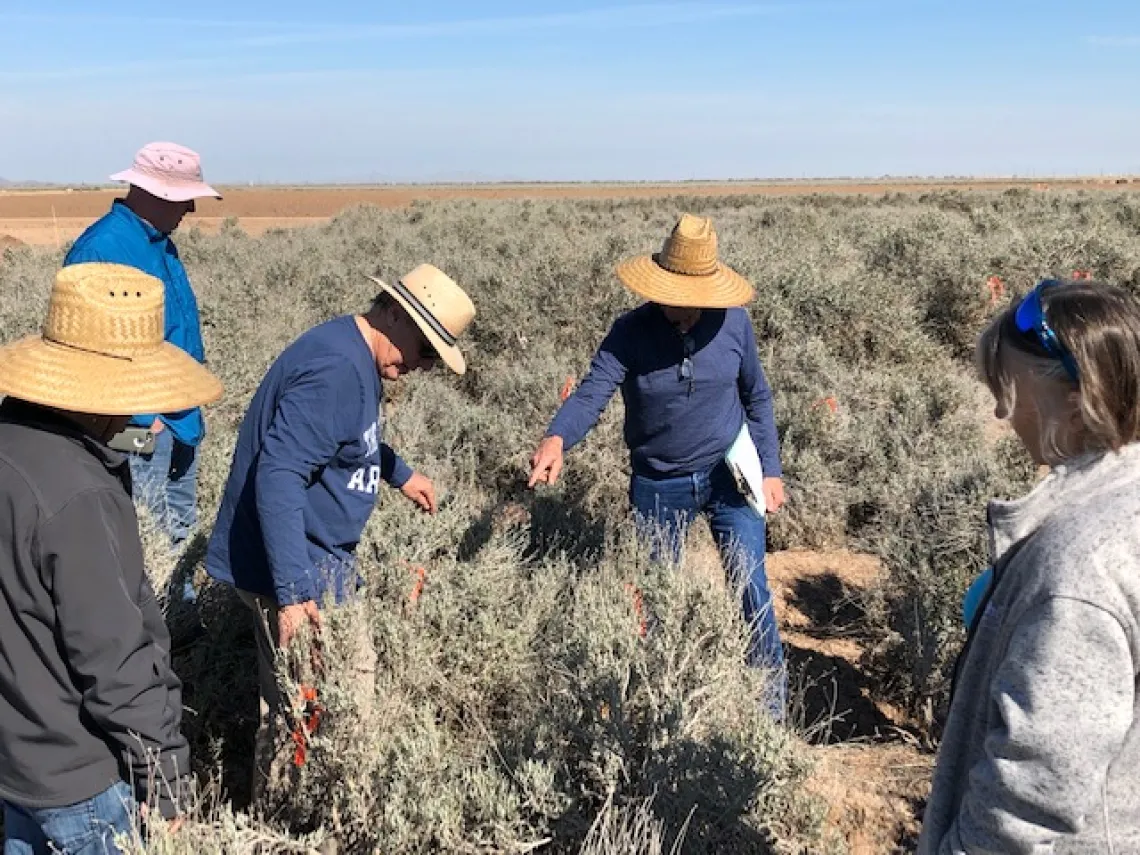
306,471
677,422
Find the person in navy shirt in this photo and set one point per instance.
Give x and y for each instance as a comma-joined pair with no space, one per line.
308,465
164,181
690,377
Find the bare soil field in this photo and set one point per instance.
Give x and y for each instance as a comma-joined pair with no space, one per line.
46,217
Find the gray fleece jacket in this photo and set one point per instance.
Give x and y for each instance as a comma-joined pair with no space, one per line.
1041,752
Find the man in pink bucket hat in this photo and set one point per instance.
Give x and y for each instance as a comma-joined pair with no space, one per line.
165,180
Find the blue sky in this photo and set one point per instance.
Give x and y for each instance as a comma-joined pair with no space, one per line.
593,90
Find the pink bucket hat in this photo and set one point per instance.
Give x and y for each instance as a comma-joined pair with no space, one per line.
169,171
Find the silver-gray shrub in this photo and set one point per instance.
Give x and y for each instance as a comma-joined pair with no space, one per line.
519,699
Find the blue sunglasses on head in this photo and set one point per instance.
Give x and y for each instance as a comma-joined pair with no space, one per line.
1030,318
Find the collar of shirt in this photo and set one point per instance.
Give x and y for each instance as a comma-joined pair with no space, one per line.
701,333
44,418
120,209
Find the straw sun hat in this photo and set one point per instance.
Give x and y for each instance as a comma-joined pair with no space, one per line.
102,351
687,272
440,308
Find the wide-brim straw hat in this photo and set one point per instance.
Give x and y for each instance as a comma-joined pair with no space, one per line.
102,352
440,308
687,272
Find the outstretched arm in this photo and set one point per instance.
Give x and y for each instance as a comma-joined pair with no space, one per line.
581,411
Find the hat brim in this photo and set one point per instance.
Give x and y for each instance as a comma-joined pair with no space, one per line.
171,191
720,290
167,380
449,353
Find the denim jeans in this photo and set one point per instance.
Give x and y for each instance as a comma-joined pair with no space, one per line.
167,483
86,828
672,504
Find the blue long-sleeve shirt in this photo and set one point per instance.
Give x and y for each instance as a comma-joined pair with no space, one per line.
123,237
306,471
673,425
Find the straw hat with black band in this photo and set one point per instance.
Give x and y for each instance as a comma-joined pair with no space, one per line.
102,349
440,308
687,273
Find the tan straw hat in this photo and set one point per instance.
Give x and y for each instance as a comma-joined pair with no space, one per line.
439,307
687,272
102,351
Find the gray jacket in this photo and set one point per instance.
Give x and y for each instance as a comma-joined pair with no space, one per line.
1041,752
87,696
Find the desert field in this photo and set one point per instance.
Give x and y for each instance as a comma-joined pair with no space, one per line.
50,217
520,706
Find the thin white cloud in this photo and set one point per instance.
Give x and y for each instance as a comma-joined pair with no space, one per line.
81,19
133,68
1114,41
650,15
299,32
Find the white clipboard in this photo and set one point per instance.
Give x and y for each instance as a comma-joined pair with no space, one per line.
744,463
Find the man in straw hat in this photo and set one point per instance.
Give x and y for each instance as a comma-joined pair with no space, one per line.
308,466
164,181
90,710
690,376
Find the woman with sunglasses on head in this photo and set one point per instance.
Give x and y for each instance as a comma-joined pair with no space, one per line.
690,376
1041,750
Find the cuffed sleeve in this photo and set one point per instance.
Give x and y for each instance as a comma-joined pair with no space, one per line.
393,469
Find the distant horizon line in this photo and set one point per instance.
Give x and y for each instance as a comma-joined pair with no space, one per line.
1122,177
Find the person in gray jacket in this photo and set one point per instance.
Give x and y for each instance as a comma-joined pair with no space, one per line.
1041,749
90,710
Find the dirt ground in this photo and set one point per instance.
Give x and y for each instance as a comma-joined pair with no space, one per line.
47,217
870,767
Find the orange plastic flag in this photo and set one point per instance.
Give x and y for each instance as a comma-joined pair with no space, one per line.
418,587
638,609
997,289
567,388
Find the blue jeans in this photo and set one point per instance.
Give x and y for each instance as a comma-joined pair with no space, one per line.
167,483
86,828
671,505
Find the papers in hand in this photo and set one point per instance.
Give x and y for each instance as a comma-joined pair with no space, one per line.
744,463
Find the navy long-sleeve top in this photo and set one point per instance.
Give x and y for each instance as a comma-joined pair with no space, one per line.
677,421
306,471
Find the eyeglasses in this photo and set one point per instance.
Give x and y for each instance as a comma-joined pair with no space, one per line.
686,371
1030,318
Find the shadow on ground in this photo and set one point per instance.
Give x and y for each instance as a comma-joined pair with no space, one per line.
833,697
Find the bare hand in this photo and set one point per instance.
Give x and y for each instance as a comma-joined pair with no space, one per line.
173,826
773,494
546,463
157,427
290,619
420,491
